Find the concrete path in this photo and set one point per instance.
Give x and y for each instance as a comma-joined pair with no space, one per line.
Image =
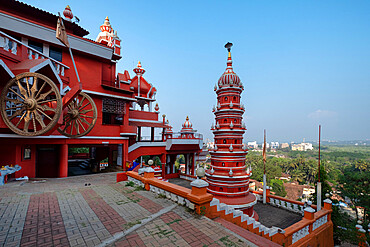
70,212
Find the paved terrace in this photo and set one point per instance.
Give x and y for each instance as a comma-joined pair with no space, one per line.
93,210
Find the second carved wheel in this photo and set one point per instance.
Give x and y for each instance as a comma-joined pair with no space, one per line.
79,116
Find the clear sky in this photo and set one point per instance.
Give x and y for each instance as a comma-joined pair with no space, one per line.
301,62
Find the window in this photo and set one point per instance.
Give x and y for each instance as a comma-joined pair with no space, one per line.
223,164
55,53
26,153
236,141
234,99
113,111
225,121
225,98
36,45
224,141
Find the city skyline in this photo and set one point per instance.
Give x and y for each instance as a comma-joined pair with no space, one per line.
302,64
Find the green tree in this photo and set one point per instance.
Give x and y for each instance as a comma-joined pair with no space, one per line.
278,187
354,184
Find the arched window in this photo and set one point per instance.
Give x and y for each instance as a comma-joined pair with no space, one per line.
223,164
225,121
236,141
225,98
234,98
224,141
221,189
237,163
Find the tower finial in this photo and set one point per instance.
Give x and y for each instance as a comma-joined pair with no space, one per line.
228,46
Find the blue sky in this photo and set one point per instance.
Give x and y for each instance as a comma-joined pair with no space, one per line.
301,62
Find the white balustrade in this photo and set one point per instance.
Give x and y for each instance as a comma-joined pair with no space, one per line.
10,44
319,222
300,234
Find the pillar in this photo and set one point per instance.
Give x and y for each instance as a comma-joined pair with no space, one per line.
163,162
119,155
152,134
192,162
187,168
63,161
139,133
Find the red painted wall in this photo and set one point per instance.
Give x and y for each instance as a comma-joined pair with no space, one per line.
13,155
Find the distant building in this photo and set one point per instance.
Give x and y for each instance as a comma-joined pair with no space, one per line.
304,146
252,144
274,144
284,145
284,177
307,193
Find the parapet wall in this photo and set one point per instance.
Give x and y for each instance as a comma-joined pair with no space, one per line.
315,228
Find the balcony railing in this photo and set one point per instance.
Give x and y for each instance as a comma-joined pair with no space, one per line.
149,139
10,44
186,135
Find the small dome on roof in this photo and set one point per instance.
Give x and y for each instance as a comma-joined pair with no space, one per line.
187,126
187,123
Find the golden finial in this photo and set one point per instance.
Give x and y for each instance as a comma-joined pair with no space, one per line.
187,118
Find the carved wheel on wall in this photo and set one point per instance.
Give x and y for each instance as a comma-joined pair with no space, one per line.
30,104
79,116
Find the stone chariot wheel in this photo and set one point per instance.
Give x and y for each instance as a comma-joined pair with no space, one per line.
79,117
30,104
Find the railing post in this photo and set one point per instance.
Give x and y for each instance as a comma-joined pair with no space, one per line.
309,213
328,206
361,235
200,197
268,194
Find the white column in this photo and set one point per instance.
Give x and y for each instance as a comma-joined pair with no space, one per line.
138,86
45,50
119,155
187,163
264,188
194,163
318,196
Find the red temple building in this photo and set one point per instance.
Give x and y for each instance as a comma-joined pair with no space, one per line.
45,110
228,176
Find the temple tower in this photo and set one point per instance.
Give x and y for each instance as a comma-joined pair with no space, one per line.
228,176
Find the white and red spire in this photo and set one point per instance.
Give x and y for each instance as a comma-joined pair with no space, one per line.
108,37
227,178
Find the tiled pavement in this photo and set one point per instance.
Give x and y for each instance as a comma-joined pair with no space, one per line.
65,212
